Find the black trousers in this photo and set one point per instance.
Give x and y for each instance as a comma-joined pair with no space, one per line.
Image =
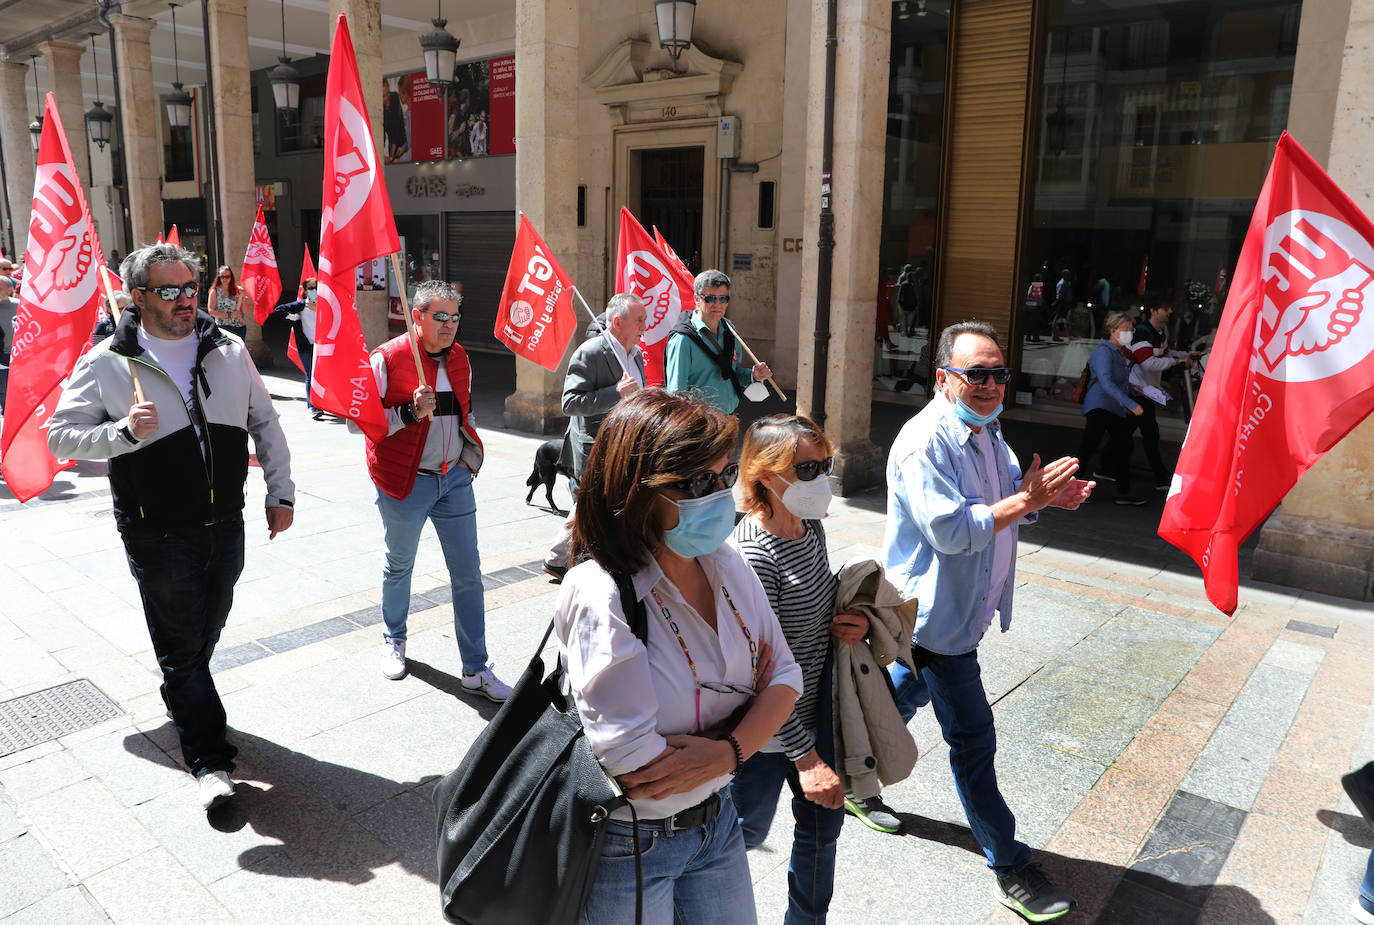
1116,460
1148,425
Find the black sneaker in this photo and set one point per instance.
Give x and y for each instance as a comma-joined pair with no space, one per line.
873,813
1359,786
1029,893
1131,500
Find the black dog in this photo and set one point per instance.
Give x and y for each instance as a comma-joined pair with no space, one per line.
546,470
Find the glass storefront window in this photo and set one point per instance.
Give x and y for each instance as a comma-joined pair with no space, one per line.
1157,122
421,244
905,276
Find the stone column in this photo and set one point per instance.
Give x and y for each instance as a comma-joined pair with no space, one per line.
365,28
64,71
856,197
138,111
16,116
546,37
234,130
1322,537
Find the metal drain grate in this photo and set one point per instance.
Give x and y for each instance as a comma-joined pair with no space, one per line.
50,714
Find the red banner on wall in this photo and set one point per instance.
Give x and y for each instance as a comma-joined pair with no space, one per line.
502,139
426,119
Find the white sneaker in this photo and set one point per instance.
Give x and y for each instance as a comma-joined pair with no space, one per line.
1360,914
215,788
394,659
486,683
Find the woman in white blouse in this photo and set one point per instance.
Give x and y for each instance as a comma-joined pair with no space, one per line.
672,721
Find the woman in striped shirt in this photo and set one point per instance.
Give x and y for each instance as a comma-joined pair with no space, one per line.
784,465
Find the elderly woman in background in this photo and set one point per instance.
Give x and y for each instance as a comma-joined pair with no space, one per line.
785,464
1108,407
673,719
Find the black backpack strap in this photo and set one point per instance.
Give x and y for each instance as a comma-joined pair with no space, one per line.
724,360
636,615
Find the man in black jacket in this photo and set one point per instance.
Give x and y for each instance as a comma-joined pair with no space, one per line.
178,461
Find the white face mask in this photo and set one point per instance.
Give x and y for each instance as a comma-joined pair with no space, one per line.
807,500
1124,338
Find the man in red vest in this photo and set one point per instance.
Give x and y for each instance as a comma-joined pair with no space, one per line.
423,469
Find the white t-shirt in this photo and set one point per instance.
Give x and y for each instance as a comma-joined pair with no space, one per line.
178,359
1003,546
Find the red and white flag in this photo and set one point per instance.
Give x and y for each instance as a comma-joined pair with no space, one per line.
173,238
1291,370
307,271
356,224
259,279
671,254
57,310
642,268
536,318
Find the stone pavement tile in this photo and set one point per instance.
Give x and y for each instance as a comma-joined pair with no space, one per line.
1208,815
1133,903
940,879
1320,742
1079,711
1269,701
1232,767
1304,627
32,753
324,764
27,666
42,775
71,906
281,666
67,819
27,874
153,887
1347,675
310,632
1298,798
1048,627
1338,879
1123,804
1304,657
1077,594
1086,864
219,845
255,711
1275,863
1179,860
133,768
1004,667
275,890
406,823
1169,742
11,826
394,893
1041,785
119,675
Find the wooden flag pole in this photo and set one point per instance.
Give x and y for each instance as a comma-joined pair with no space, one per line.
749,353
410,322
115,314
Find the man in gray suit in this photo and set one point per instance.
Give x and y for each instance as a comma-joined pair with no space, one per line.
604,369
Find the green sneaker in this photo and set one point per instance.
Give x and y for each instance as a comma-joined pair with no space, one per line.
874,814
1029,893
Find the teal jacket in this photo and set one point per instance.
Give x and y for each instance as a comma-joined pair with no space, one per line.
687,369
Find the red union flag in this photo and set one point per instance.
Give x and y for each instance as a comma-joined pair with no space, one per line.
643,269
259,278
536,318
673,259
355,225
1290,372
173,237
57,310
293,353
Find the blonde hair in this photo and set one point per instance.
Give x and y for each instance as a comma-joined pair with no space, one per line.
770,446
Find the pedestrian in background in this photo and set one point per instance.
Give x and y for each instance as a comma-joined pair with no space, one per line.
1109,409
228,302
703,355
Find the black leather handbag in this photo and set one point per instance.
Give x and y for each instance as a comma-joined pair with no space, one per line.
522,819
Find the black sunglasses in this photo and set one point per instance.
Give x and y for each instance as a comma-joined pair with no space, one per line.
713,299
807,471
170,293
703,483
979,374
442,317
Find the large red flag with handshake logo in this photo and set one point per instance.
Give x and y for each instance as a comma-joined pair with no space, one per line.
260,279
355,225
57,310
536,318
642,268
1291,370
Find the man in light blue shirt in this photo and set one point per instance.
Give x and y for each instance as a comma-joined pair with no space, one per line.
702,354
956,495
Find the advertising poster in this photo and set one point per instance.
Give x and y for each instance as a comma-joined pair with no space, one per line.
502,127
475,120
426,119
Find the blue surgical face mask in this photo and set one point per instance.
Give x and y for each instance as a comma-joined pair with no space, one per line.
973,418
702,524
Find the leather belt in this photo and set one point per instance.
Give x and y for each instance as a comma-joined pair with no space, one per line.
705,811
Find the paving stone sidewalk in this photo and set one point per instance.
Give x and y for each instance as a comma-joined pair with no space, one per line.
1169,765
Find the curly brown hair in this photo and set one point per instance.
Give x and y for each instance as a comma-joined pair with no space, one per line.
649,440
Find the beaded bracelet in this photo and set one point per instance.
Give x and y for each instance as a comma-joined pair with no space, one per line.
739,753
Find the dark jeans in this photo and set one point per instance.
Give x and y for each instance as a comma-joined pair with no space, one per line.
1366,897
307,356
953,685
1116,460
1148,425
811,871
186,579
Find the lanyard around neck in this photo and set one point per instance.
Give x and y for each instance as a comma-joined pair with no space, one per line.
696,679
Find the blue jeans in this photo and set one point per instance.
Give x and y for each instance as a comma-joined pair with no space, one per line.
448,503
696,876
811,871
909,690
955,684
186,579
